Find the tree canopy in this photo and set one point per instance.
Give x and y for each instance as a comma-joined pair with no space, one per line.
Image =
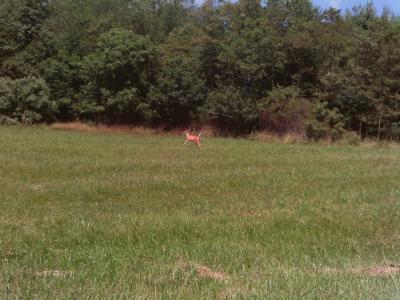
282,66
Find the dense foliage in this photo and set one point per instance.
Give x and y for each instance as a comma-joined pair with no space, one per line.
280,65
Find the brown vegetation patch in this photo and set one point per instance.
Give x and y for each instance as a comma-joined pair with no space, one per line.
228,293
140,130
54,273
327,271
378,271
288,138
205,272
82,127
201,270
369,271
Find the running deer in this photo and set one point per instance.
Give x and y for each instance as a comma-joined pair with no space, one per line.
192,138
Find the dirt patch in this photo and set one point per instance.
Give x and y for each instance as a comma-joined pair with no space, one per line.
369,271
205,272
200,270
378,271
54,273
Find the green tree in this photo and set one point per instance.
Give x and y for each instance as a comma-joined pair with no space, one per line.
21,24
26,100
285,110
179,92
232,112
118,75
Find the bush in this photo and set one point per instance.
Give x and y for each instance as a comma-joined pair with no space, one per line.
4,120
26,100
316,130
351,138
395,130
327,123
232,112
7,96
125,106
284,111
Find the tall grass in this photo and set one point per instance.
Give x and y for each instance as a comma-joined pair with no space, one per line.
95,215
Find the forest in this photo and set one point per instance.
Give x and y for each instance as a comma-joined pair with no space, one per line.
279,66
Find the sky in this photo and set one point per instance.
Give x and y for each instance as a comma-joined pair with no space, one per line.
343,4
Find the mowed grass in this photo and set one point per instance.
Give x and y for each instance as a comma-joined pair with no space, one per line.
130,216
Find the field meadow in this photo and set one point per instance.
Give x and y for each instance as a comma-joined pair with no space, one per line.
122,216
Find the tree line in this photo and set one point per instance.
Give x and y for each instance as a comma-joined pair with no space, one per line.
283,66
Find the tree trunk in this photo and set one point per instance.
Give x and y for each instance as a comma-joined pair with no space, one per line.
379,128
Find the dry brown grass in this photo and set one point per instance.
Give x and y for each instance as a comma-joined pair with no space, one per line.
383,271
378,271
297,138
83,127
201,270
209,131
125,129
54,273
205,272
288,138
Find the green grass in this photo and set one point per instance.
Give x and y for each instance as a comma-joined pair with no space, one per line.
133,216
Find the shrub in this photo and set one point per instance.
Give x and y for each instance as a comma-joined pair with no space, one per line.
327,123
125,106
351,138
284,111
26,100
232,112
4,120
316,130
7,97
395,130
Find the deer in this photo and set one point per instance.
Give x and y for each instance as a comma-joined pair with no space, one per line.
192,138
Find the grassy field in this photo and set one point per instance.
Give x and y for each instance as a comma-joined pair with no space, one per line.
91,215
